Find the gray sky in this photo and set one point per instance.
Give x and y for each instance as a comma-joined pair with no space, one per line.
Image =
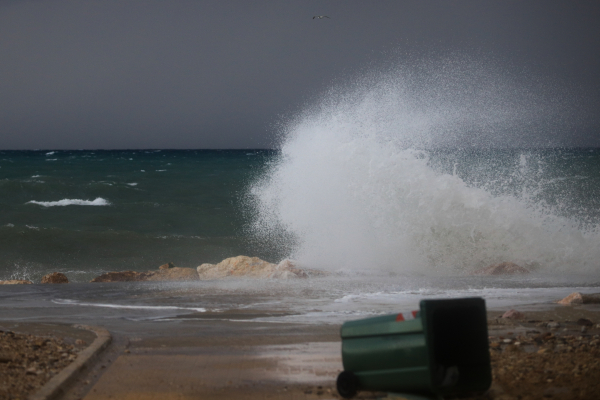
219,74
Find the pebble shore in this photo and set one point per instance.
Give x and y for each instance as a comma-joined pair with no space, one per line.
27,362
531,360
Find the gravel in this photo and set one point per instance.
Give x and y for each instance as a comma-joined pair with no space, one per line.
27,362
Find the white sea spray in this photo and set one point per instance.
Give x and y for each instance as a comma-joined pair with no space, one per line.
355,188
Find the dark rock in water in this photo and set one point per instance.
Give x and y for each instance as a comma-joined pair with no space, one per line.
123,276
580,298
168,265
513,314
16,282
174,274
504,268
55,277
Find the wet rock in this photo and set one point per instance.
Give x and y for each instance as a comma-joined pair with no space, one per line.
513,314
168,265
16,282
166,272
123,276
251,267
241,266
174,274
580,298
288,269
504,268
55,277
208,271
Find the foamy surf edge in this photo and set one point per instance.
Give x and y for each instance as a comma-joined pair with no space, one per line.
71,202
124,306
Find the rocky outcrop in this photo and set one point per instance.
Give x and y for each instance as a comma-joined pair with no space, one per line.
55,277
166,272
16,282
123,276
504,268
236,266
174,274
580,298
250,267
240,266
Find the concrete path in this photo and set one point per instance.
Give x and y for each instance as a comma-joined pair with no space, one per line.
296,371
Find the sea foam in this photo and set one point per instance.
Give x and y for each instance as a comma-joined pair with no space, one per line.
71,202
354,188
126,306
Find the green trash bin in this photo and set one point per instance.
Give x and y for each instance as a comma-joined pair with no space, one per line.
441,350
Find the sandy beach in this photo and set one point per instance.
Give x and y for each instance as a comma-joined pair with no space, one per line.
250,360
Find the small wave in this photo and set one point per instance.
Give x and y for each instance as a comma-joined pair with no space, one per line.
123,306
52,159
71,202
50,153
132,184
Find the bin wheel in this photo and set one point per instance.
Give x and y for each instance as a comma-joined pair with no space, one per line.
347,384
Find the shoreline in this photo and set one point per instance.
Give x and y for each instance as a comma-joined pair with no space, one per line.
256,360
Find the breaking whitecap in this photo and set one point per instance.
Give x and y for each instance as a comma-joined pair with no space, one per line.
71,202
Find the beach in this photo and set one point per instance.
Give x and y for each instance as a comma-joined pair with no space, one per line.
264,353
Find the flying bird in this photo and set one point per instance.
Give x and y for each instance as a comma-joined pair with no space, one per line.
321,16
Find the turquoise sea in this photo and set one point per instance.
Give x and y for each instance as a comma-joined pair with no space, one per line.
88,212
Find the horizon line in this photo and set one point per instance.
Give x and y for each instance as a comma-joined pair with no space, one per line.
458,148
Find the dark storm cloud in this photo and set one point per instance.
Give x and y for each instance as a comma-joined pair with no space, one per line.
218,74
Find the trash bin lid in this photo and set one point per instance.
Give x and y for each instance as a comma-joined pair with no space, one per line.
392,324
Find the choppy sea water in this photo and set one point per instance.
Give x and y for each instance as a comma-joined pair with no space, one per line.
88,212
428,212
